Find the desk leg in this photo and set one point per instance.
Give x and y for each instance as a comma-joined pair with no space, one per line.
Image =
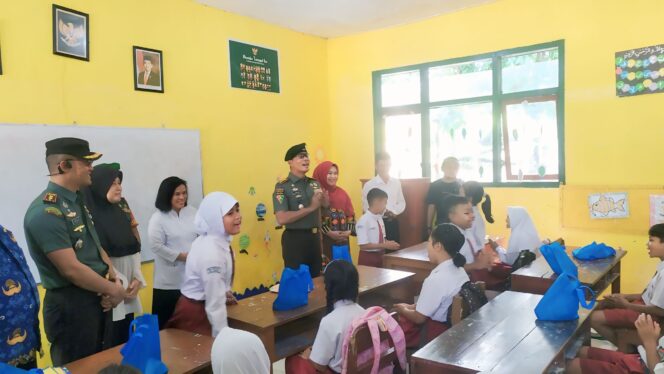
615,286
267,337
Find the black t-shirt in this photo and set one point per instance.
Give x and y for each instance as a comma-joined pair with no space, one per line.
438,190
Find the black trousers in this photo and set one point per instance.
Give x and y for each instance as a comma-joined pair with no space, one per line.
302,247
117,332
163,304
392,229
74,323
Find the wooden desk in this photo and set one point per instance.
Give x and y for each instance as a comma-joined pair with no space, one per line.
287,332
598,275
181,351
412,259
504,336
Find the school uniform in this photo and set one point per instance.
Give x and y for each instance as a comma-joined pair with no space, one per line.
209,271
496,278
653,295
395,202
239,352
328,345
600,361
523,235
370,229
478,229
438,291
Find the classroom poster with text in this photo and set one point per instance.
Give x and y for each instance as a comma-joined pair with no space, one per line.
253,67
640,71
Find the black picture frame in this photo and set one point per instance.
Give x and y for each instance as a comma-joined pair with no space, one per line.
69,25
0,60
139,55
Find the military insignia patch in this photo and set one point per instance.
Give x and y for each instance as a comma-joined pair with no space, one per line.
54,211
280,198
79,228
51,198
79,244
71,214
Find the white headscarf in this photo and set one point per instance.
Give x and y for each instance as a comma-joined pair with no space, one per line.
239,352
524,234
209,218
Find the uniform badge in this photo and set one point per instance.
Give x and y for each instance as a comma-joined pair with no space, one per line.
280,198
279,191
53,210
79,228
295,189
79,244
65,205
71,214
51,198
301,206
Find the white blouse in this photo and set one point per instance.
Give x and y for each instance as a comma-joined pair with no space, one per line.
170,234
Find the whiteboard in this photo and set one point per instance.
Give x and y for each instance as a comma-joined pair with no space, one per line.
146,157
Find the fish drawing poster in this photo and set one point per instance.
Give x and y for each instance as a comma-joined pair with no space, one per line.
610,205
656,209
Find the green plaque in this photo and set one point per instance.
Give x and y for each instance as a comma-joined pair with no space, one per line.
253,67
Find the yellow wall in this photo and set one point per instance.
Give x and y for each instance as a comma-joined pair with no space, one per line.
244,134
608,140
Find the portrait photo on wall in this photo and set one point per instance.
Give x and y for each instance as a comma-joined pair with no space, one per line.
148,70
71,33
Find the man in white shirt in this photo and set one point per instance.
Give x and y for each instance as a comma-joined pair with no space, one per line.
396,203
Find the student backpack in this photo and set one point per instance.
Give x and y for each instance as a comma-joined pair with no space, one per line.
376,318
473,299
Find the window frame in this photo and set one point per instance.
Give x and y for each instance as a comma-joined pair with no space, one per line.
497,98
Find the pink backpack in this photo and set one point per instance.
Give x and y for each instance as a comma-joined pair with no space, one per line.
376,318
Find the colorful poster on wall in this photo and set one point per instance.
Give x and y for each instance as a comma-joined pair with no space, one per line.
656,209
253,67
608,205
640,71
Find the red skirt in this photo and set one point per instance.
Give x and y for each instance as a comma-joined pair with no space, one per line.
413,331
371,257
602,361
190,315
622,318
295,364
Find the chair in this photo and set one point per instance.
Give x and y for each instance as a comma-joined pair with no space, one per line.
457,310
361,341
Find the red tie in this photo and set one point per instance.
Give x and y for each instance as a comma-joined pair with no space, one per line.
381,238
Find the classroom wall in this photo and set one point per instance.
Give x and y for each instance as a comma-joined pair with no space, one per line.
609,141
244,134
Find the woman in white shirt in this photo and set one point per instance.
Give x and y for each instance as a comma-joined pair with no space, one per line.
171,232
210,267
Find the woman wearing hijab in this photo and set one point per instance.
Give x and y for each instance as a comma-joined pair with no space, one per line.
239,352
117,230
523,236
338,216
210,267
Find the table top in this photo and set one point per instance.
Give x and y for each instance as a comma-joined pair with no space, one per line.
504,334
257,310
589,271
417,252
181,351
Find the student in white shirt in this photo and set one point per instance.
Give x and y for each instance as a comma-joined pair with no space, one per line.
523,235
620,311
438,289
475,193
396,203
210,267
171,232
342,288
239,352
650,358
370,231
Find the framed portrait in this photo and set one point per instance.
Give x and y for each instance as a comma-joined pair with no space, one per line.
148,70
0,60
71,33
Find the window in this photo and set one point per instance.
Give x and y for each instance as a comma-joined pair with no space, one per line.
500,114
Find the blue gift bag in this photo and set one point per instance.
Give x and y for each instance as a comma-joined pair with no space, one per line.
558,259
561,300
341,252
294,288
143,349
593,251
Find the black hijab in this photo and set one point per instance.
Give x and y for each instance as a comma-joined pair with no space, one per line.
112,221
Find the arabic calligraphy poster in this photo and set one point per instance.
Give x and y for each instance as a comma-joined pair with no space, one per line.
640,71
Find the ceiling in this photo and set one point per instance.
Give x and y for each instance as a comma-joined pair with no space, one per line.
333,18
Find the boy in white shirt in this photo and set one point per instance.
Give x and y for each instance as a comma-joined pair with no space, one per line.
396,204
370,230
620,310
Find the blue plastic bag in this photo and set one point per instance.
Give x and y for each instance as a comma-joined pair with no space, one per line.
341,252
561,300
558,260
143,349
294,288
593,251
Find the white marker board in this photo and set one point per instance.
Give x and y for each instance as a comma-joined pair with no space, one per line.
146,157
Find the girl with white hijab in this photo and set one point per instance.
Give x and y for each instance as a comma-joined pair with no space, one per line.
239,352
210,267
523,236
